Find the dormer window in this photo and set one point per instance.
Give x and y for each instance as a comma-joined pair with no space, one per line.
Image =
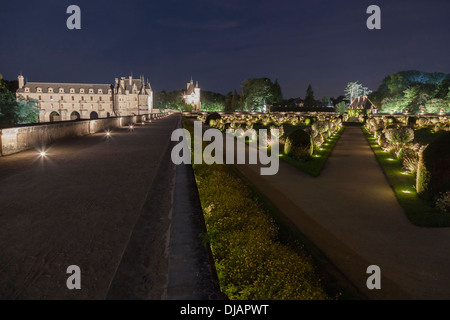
39,89
27,89
81,90
72,90
100,91
91,90
61,90
50,90
109,91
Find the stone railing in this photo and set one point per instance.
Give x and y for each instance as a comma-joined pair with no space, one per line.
23,137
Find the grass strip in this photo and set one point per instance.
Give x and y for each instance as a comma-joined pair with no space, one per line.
418,211
315,165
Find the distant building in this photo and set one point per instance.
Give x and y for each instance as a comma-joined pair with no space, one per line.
363,103
72,101
192,96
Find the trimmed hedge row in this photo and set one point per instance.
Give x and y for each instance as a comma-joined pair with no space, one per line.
433,174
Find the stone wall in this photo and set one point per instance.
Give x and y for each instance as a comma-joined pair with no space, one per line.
13,140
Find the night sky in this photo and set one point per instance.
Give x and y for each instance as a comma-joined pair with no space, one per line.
220,43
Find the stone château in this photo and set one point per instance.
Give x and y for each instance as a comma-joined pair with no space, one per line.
72,101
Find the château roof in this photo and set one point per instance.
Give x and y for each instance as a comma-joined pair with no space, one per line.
362,103
139,84
191,87
33,86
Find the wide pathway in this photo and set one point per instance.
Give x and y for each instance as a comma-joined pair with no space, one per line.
105,205
351,213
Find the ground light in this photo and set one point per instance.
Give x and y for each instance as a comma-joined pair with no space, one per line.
42,153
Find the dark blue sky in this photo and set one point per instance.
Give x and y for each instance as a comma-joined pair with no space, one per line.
220,43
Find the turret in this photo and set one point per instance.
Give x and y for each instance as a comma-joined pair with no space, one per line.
21,81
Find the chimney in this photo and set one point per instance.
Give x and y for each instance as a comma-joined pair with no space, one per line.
21,81
122,82
116,81
131,80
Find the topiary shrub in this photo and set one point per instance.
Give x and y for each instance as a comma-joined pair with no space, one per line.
212,116
399,136
433,172
321,126
382,141
299,145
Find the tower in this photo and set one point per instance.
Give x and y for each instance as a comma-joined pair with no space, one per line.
192,96
21,81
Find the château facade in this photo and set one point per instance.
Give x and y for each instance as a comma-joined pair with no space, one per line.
192,96
72,101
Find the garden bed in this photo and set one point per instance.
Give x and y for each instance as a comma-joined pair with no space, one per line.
251,262
418,211
314,165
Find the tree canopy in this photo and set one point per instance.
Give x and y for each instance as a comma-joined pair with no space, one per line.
258,92
16,111
413,91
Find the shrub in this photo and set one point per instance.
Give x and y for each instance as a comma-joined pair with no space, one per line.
318,141
443,202
434,168
422,122
382,141
399,136
251,264
212,116
321,126
410,159
299,145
